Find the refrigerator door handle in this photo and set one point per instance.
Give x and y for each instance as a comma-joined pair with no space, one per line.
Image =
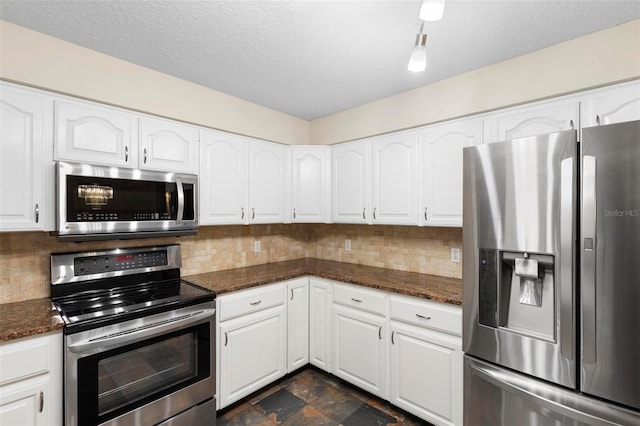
588,268
567,208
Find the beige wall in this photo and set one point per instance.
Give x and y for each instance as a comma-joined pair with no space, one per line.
601,58
35,59
25,270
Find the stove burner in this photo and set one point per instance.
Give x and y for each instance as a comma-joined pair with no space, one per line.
106,304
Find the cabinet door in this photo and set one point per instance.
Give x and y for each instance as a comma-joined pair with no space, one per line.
297,323
320,303
88,133
267,182
24,403
224,168
611,105
441,153
395,179
359,349
351,182
538,119
252,353
310,200
426,374
168,146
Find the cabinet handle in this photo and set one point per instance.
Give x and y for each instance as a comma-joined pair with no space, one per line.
425,212
392,333
356,300
126,154
241,212
423,317
598,120
374,213
41,401
253,212
294,213
380,333
256,303
37,210
571,124
145,156
291,294
226,338
364,216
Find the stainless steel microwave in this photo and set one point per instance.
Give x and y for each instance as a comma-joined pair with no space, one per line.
101,203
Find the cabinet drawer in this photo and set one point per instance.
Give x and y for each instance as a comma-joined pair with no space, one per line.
360,298
24,358
427,314
252,300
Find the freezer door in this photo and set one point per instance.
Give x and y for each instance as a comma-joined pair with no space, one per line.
610,262
496,396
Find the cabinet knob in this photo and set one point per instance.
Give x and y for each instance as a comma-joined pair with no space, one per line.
291,294
364,216
571,124
392,334
37,211
425,212
294,213
253,213
126,154
356,300
41,402
374,213
241,212
380,332
256,303
145,156
423,317
226,338
598,120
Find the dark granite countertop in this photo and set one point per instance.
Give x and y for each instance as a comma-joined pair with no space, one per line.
37,316
436,288
28,318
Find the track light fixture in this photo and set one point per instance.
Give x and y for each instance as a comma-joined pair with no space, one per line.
418,59
432,10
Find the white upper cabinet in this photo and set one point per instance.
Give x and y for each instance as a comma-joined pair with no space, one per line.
310,198
395,179
268,186
25,160
611,105
351,182
532,120
168,146
441,169
224,172
89,133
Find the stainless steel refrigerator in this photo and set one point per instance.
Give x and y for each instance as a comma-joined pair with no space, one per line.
551,309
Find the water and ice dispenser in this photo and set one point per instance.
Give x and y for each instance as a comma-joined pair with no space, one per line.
516,292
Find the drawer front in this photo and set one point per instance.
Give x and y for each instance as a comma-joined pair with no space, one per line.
24,358
425,313
373,301
252,300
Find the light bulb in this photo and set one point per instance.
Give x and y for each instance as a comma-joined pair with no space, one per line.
432,10
418,59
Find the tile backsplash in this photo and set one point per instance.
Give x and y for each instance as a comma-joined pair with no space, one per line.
24,256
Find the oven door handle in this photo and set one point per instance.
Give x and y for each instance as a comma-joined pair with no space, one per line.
142,332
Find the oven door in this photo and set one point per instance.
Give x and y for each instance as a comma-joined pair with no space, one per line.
142,371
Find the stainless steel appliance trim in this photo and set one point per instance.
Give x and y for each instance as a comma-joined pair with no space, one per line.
62,264
538,393
201,414
589,247
141,332
567,259
86,231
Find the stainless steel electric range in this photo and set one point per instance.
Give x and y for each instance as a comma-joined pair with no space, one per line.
139,341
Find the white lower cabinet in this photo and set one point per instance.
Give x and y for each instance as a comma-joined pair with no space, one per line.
425,365
359,343
252,341
297,323
31,381
320,302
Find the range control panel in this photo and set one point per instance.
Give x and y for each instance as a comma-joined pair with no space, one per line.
90,265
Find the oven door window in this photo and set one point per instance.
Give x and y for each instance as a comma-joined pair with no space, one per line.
114,382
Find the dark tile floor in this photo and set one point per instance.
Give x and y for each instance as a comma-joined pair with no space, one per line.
312,397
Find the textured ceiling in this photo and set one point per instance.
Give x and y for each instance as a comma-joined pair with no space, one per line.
313,58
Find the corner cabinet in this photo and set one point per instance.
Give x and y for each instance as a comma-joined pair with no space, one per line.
310,192
441,148
297,323
26,203
31,381
252,341
425,366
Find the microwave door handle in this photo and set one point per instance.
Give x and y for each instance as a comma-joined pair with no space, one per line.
180,190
